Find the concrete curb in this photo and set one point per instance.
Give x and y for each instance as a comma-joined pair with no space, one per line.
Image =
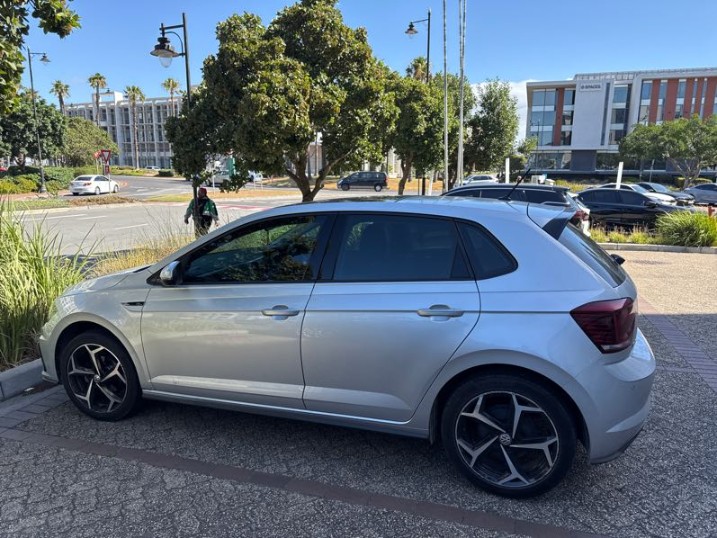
15,380
658,248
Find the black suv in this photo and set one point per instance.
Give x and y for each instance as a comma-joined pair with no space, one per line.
616,207
531,193
375,180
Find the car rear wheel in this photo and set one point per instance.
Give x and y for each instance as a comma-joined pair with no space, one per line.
377,188
344,187
97,190
507,435
99,377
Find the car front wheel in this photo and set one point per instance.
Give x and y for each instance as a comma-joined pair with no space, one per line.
115,189
507,435
99,377
344,187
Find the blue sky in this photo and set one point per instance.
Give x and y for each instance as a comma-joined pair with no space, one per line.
514,40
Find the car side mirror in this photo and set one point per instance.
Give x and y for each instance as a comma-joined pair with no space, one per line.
170,274
650,203
618,259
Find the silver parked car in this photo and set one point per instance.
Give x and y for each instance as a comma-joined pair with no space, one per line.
490,324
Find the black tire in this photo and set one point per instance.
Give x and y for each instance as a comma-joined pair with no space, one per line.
345,187
493,449
377,188
75,194
99,377
97,191
115,189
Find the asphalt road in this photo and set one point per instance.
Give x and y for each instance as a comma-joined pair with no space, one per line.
175,470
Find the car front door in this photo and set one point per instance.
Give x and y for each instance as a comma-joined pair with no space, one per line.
603,205
230,327
394,301
634,210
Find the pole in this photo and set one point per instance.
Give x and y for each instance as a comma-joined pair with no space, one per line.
462,44
196,215
428,48
445,102
43,187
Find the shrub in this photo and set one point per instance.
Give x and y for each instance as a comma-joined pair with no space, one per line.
165,173
687,229
32,274
18,184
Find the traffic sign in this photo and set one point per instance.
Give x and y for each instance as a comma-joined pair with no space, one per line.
97,154
106,155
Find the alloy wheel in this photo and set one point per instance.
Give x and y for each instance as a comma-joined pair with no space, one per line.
96,378
507,440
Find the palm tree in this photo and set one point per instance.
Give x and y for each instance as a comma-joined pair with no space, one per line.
61,90
171,85
134,94
97,81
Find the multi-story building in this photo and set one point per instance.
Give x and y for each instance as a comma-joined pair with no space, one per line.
115,117
580,122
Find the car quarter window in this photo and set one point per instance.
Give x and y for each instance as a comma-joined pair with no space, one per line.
488,257
535,196
517,194
372,248
277,250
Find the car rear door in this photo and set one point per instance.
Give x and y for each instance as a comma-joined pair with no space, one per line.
603,205
395,299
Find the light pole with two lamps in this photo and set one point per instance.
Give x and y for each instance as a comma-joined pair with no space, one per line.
411,31
166,53
45,60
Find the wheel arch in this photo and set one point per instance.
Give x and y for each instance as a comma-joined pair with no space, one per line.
507,369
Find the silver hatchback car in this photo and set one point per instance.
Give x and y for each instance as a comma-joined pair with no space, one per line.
494,326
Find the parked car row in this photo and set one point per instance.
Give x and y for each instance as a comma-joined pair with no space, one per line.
495,327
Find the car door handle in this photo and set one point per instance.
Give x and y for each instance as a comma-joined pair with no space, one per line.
440,310
280,310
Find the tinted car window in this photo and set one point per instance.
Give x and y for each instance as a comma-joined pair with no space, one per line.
632,198
592,255
516,194
280,250
535,196
487,256
603,196
397,248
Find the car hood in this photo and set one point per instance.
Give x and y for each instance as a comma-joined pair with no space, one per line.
665,198
102,282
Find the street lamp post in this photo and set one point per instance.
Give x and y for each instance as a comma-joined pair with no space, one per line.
166,53
45,60
411,31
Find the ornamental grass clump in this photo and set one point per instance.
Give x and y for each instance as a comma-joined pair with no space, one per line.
33,272
688,229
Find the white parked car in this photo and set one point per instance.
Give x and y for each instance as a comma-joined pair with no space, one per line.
479,178
93,185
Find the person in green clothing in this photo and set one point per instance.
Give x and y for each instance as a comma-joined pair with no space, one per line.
207,212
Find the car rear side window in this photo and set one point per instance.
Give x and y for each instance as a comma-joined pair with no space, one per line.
535,196
515,194
592,255
375,247
487,256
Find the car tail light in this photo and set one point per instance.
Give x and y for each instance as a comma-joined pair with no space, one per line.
582,215
610,325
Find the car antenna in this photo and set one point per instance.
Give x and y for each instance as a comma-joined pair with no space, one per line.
507,196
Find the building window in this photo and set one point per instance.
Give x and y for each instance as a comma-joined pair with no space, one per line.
679,111
567,117
616,135
646,92
619,115
620,95
681,89
569,98
566,138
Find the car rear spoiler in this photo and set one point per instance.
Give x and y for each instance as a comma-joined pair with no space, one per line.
552,219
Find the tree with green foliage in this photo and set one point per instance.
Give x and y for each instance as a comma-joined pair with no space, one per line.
494,127
687,144
418,138
82,139
134,94
523,150
18,129
53,17
171,86
97,81
272,89
60,90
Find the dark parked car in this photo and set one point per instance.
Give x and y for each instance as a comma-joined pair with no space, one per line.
624,208
528,192
374,180
680,197
704,194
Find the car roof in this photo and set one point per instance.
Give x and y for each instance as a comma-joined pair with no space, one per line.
533,186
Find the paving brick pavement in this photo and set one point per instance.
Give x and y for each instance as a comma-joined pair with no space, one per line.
178,470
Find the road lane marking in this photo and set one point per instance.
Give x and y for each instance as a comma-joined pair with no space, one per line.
64,216
133,226
97,217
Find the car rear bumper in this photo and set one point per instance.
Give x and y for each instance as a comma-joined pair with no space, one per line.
620,399
82,190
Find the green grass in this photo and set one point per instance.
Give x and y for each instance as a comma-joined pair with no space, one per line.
32,274
688,229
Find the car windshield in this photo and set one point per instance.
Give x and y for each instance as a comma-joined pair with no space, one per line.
638,188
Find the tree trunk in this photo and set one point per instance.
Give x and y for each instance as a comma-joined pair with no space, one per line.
135,132
97,101
406,163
